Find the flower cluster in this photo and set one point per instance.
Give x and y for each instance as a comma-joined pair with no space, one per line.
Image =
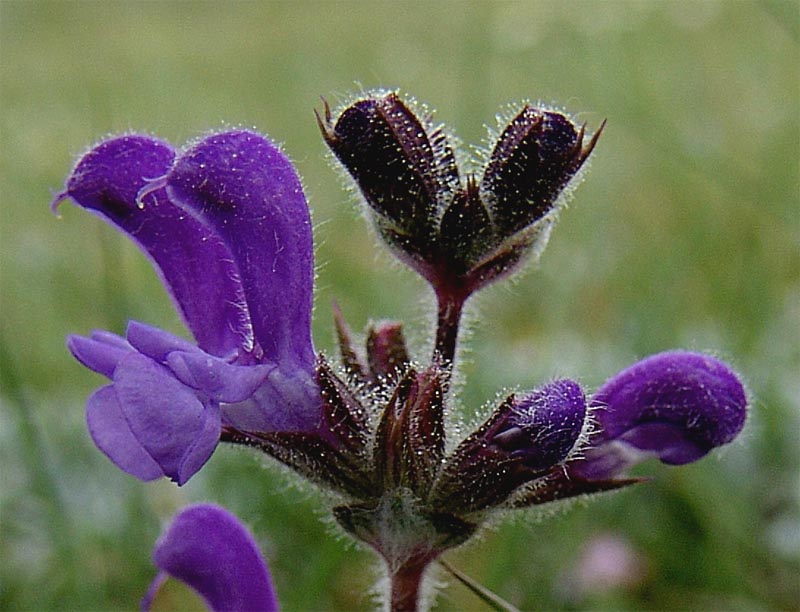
226,225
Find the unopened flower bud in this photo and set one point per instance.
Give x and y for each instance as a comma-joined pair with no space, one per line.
676,406
525,438
402,165
533,160
459,235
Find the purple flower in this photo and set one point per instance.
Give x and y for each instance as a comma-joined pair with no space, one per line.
226,225
676,406
206,547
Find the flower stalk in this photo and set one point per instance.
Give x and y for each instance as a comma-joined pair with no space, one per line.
448,321
406,585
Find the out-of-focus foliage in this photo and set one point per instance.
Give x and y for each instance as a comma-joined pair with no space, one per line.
684,234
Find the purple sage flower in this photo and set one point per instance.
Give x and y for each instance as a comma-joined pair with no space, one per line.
226,225
206,547
676,406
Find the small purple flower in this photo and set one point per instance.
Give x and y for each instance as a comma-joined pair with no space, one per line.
206,547
676,406
226,224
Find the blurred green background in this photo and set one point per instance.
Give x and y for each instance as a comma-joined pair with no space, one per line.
684,234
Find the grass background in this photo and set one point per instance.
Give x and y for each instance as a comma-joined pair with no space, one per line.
685,234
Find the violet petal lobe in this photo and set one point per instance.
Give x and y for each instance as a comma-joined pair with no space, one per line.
112,435
289,400
100,352
245,188
177,429
676,406
194,264
222,381
206,547
154,342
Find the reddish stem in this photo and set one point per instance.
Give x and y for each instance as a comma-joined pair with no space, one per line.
406,585
451,305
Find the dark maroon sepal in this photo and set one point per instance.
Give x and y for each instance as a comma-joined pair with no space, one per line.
345,416
409,442
386,358
401,164
313,457
351,360
561,485
387,354
477,475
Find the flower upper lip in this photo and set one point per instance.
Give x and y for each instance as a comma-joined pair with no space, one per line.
227,226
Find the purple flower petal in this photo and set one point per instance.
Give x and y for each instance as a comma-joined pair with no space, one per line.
169,421
222,381
112,435
241,185
288,400
676,406
154,342
195,265
207,547
101,352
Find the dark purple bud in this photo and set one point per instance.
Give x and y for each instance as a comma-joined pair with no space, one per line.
676,406
458,236
402,165
525,438
207,548
466,229
533,160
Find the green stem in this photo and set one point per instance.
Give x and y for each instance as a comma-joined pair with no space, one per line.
495,602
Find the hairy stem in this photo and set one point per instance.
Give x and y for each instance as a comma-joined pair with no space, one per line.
447,326
406,585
